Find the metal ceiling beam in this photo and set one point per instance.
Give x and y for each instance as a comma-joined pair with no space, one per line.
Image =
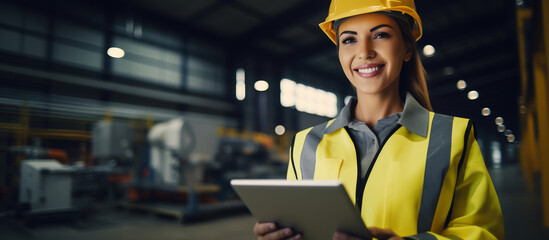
248,10
206,11
94,83
288,18
319,47
186,28
220,4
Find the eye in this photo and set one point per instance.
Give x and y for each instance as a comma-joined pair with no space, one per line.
348,40
382,35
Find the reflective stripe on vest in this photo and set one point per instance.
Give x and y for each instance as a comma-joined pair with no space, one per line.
308,154
436,166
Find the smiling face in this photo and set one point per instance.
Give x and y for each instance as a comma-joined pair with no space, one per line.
371,52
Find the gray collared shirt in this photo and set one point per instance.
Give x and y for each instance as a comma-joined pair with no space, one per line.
368,141
414,117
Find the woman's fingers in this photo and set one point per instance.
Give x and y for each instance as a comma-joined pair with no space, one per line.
284,233
344,236
268,231
261,229
383,234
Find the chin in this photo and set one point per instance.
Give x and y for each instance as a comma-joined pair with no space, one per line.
370,90
367,91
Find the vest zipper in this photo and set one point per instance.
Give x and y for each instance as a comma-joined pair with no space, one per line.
361,181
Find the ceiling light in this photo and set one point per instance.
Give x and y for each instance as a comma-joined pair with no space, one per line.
507,132
261,86
511,138
461,84
523,109
499,121
116,52
472,95
280,130
501,128
240,84
428,51
486,112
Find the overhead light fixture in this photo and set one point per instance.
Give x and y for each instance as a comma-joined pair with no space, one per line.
429,50
472,95
499,121
523,109
486,112
240,84
280,130
261,85
507,132
287,92
116,52
501,128
511,138
461,84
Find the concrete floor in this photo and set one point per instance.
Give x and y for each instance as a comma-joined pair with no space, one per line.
122,225
521,210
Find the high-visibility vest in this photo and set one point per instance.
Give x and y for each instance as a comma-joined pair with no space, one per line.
427,187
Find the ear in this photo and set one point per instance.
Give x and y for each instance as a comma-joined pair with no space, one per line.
409,52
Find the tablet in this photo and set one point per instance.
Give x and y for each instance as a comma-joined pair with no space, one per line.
316,209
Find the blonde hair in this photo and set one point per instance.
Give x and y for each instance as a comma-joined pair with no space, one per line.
413,75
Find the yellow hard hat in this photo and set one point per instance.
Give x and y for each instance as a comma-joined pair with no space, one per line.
340,9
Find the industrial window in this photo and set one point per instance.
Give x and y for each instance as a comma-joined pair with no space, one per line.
307,99
134,25
147,63
206,68
78,45
23,31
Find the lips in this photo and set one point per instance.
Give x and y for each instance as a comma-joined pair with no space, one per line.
369,70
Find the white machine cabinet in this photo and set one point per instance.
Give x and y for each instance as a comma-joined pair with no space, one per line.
46,185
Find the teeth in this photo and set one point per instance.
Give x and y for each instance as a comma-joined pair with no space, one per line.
368,70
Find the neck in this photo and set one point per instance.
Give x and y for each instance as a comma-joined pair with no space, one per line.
373,107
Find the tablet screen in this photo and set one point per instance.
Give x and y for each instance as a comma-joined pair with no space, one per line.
316,209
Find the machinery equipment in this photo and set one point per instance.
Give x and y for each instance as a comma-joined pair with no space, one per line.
112,143
45,186
170,174
170,143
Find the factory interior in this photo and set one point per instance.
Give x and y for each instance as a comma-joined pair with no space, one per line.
127,119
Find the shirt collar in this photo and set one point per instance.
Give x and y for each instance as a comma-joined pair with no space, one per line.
414,117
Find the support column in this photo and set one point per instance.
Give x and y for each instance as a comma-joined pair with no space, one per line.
541,66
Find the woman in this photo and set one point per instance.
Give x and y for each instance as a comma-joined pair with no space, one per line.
411,172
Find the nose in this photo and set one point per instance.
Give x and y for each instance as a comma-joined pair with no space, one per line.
366,50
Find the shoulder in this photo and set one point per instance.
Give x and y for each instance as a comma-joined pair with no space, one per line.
455,119
459,125
316,131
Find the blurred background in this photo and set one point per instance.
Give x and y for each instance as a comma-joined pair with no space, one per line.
128,118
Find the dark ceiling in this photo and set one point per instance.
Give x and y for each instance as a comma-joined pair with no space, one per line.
474,41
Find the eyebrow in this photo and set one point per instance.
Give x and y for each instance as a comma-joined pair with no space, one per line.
380,26
371,30
349,32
